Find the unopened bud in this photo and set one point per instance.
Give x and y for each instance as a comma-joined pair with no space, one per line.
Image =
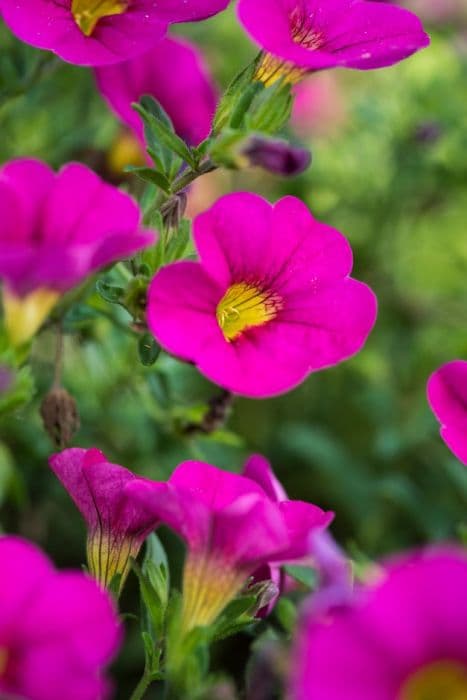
276,156
60,416
173,210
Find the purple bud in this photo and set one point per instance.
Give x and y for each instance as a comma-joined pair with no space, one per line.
276,156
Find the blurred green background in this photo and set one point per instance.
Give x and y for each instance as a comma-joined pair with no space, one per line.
390,171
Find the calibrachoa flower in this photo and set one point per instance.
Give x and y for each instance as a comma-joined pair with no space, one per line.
269,302
55,229
299,36
98,32
231,527
190,100
58,630
447,395
116,526
404,637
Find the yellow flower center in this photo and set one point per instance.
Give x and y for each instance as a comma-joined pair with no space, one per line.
3,660
246,306
25,315
208,587
271,69
109,557
444,680
87,13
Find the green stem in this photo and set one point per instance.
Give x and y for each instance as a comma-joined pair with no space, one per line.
187,178
140,690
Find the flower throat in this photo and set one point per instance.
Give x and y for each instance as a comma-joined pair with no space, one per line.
245,306
87,13
444,680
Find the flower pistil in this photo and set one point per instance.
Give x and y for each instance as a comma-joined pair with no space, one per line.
87,13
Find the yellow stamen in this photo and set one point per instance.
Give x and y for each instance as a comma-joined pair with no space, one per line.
246,306
271,69
208,586
3,660
87,13
444,680
25,315
109,557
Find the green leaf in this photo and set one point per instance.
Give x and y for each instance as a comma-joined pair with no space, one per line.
286,613
148,350
150,175
231,95
303,574
178,242
163,132
272,109
110,293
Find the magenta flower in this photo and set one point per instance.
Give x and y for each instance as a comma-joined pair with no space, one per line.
58,630
447,396
152,73
99,32
55,229
299,36
231,527
405,637
269,302
116,527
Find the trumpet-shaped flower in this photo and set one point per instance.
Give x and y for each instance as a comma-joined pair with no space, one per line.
55,229
231,527
58,630
299,36
447,396
152,73
116,527
403,638
99,32
269,302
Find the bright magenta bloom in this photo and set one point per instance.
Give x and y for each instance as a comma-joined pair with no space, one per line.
98,32
308,35
58,630
269,302
152,73
231,526
447,396
404,638
116,527
55,229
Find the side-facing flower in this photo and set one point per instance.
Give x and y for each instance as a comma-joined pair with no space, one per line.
231,527
447,396
269,302
189,100
116,526
99,32
403,638
58,630
55,229
299,36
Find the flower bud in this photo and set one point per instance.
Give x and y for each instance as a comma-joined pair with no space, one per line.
60,416
276,156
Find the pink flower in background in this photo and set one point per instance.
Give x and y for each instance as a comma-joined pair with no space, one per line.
231,527
58,630
190,100
299,36
116,527
404,637
269,302
319,107
447,396
55,230
98,32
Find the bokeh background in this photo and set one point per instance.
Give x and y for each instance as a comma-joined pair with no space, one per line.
390,171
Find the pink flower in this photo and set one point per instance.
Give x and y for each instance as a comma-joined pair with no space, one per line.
299,36
319,107
152,73
57,630
447,396
55,229
231,527
98,32
404,638
269,302
116,527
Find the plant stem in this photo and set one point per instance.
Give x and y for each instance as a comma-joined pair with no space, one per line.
187,178
140,690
